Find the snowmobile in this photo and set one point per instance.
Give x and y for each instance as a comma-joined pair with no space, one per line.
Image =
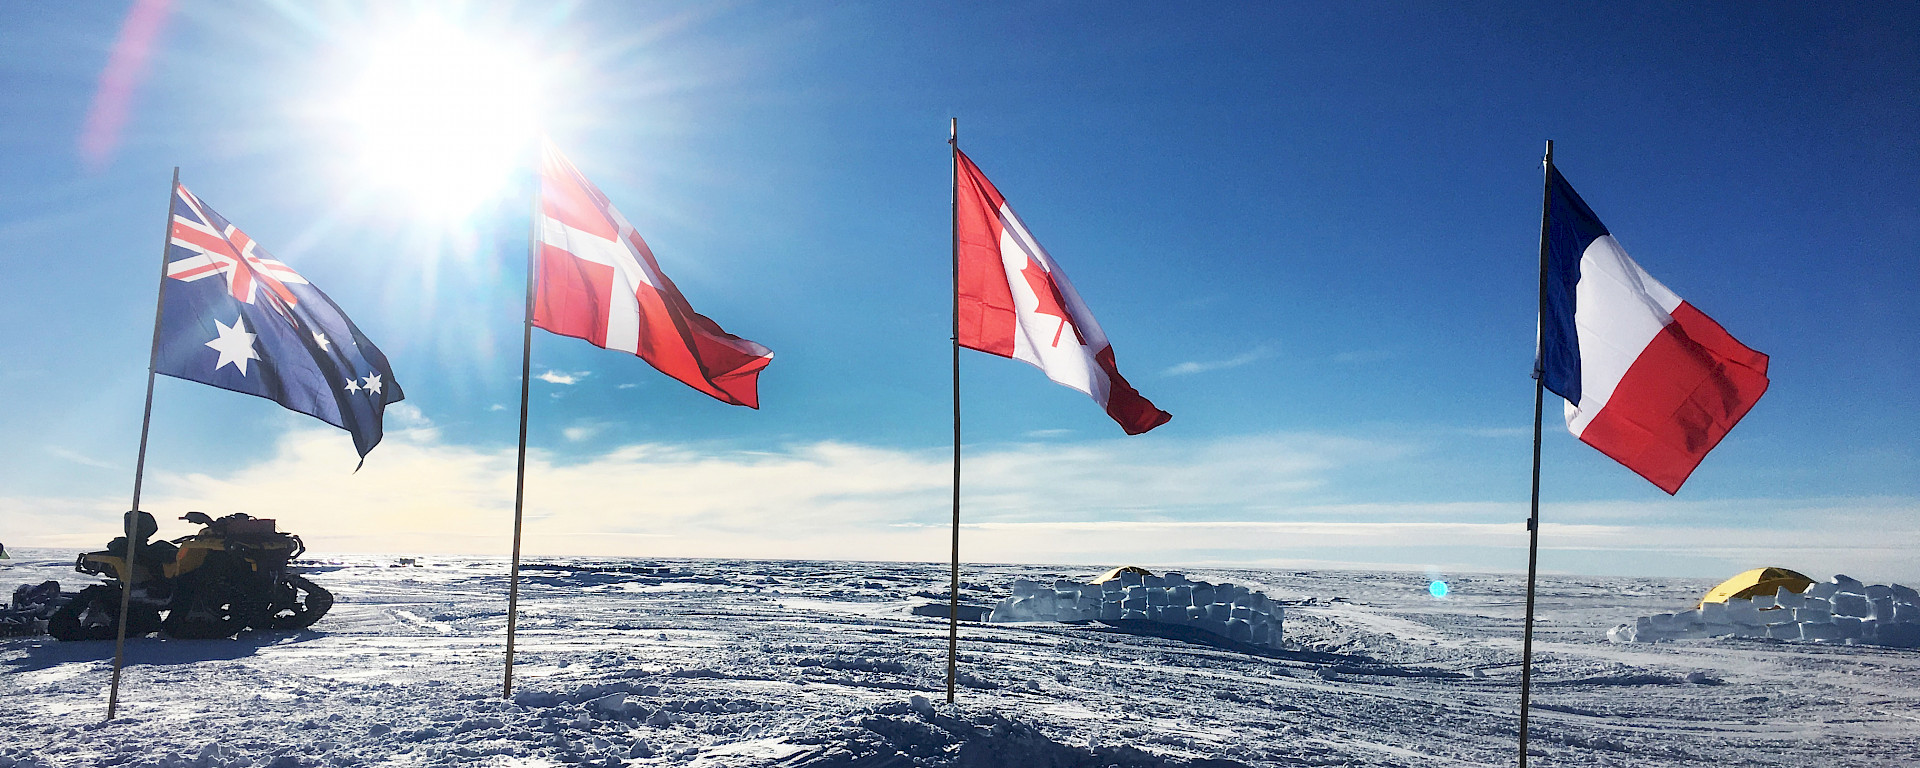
230,576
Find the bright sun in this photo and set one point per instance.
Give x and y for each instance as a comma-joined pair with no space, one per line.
441,117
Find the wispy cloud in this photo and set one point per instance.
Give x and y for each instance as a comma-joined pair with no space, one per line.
1044,434
1247,500
562,377
585,430
1191,367
79,458
628,385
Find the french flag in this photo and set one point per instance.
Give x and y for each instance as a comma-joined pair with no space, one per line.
1649,380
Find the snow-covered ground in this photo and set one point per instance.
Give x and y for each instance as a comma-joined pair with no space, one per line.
816,664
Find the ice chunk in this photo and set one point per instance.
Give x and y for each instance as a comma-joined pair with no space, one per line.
1196,614
1878,592
1110,611
1763,601
1813,615
1847,627
1819,632
1717,629
1787,598
1783,631
1174,578
1156,596
1845,583
1219,613
1742,612
1181,594
1621,634
1852,605
1661,622
1904,594
1241,630
1883,608
1823,590
1135,604
1203,595
1906,613
1130,579
1259,634
1243,613
1153,581
1711,613
1898,635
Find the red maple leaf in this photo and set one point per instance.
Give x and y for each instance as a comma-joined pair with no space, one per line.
1051,301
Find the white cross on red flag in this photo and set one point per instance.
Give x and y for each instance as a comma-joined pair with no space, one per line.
1015,301
595,279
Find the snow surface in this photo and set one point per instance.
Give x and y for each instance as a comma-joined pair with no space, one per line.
723,664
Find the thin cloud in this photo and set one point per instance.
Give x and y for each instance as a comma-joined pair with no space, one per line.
583,431
1203,366
1245,500
561,377
80,458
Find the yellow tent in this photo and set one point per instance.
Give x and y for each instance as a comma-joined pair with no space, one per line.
1759,581
1115,573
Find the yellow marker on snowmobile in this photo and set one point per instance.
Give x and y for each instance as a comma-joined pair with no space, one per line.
230,576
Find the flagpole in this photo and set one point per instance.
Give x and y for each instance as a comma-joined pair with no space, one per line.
953,588
1533,517
140,463
520,469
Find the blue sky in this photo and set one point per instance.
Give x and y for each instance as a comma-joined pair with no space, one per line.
1311,233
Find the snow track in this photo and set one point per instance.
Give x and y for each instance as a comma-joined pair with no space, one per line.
729,664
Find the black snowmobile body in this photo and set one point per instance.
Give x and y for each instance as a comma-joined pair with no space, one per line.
229,577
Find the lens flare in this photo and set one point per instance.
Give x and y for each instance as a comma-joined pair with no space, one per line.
1437,588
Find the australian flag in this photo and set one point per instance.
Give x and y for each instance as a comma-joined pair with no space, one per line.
235,317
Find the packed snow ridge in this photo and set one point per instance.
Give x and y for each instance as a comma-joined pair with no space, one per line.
1841,610
1228,610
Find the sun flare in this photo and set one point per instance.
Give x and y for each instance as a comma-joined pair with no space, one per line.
441,116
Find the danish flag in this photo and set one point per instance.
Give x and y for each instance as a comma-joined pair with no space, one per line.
1015,301
595,279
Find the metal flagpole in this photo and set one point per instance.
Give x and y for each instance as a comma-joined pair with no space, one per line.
953,588
1533,518
520,471
140,464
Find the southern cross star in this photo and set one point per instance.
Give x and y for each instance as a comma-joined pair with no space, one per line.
353,385
321,339
235,345
373,383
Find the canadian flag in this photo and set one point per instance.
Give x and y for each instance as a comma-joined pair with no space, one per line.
595,279
1015,301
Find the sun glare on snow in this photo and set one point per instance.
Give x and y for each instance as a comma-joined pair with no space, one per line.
441,117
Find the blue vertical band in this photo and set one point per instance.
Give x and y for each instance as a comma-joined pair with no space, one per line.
1571,227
